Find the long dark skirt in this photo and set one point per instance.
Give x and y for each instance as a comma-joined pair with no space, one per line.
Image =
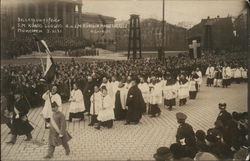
225,82
107,124
210,81
170,102
154,109
192,94
76,115
20,127
120,114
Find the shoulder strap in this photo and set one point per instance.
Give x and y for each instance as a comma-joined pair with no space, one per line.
53,123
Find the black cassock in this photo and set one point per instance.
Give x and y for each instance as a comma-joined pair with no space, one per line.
21,126
120,114
135,104
88,90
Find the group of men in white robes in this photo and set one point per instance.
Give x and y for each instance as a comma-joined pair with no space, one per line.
223,76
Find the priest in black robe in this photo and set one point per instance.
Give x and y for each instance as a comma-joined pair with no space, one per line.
87,93
135,103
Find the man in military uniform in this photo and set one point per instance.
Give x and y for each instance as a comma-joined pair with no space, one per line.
185,134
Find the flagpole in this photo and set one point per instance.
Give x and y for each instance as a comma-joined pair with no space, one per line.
39,51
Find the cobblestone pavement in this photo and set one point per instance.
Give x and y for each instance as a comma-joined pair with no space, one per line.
134,142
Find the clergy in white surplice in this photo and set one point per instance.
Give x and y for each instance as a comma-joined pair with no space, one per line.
113,88
237,74
226,76
144,87
170,92
106,83
199,79
50,97
155,97
77,106
120,102
183,90
106,113
210,75
96,104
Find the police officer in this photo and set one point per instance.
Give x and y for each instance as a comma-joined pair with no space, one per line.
185,133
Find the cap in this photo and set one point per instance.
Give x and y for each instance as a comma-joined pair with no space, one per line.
222,105
181,116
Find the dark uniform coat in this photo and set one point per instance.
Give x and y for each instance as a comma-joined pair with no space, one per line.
224,117
135,103
186,131
54,138
21,125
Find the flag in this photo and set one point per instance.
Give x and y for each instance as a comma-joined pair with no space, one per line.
194,47
50,71
45,46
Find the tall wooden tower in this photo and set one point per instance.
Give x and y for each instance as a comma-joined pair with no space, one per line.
134,42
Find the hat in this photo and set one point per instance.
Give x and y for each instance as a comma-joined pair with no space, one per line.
205,156
222,106
212,138
181,116
163,153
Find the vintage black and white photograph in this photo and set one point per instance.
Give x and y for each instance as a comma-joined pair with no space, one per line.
124,80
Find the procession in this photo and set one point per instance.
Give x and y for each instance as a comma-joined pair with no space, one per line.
183,99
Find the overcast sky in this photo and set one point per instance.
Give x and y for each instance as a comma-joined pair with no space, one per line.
175,10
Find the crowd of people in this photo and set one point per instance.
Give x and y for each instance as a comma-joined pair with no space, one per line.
124,90
26,44
227,140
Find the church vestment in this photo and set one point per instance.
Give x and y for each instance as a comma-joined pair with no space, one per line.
77,106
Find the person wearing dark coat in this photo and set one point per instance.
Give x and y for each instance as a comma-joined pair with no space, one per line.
58,134
185,133
5,113
200,141
223,116
20,125
88,90
135,104
218,148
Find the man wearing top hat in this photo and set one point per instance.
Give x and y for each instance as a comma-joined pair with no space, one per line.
20,125
185,133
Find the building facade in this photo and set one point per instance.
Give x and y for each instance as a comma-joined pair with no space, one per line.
215,33
241,31
151,36
99,30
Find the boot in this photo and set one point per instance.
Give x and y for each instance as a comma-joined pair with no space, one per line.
29,137
12,140
98,127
